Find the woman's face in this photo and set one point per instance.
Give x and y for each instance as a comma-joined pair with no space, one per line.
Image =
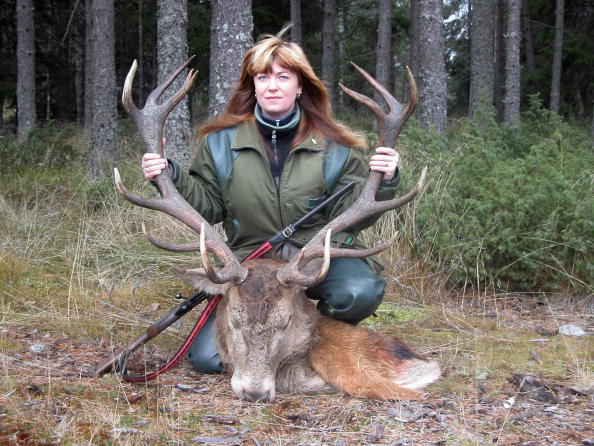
276,91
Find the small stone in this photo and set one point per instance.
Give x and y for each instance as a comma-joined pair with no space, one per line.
217,440
571,330
407,415
37,348
124,430
219,419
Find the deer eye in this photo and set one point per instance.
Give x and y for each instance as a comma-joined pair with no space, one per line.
287,322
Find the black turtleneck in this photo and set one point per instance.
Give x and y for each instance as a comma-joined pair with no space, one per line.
278,140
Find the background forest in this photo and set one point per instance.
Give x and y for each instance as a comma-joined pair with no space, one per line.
503,121
492,262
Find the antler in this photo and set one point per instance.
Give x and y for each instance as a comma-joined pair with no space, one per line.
150,121
389,126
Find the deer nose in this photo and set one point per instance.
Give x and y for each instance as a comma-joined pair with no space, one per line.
254,396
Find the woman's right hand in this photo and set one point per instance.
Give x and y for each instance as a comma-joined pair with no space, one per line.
153,165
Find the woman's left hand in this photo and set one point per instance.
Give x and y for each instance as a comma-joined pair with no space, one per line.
385,160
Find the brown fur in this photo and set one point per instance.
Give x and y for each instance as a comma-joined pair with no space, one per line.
361,362
271,337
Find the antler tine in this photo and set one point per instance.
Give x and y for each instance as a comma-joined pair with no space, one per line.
150,121
389,125
318,251
179,95
127,100
413,94
180,247
290,274
154,96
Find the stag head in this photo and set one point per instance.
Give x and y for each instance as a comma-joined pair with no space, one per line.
265,305
259,324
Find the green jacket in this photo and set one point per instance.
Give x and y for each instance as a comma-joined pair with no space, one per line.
247,200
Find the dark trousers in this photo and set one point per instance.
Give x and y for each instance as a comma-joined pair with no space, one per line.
350,292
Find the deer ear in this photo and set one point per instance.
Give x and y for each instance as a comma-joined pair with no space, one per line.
198,279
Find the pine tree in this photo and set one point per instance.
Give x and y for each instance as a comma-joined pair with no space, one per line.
296,35
511,111
557,53
103,90
482,68
431,63
328,53
26,101
383,49
231,36
172,51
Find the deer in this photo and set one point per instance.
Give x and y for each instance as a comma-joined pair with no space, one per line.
269,334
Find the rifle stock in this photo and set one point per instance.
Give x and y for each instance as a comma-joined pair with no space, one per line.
105,365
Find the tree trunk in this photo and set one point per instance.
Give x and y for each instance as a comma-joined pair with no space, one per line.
413,62
2,99
511,112
499,58
592,129
231,36
296,21
104,93
528,41
432,76
579,103
383,49
557,53
172,51
482,68
26,100
328,54
88,68
340,55
78,55
48,97
140,56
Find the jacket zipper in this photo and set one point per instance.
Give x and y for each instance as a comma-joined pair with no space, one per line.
278,198
289,156
274,148
277,185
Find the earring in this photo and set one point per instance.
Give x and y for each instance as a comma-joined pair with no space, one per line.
298,96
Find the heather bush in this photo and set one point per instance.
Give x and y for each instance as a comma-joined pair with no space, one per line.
509,207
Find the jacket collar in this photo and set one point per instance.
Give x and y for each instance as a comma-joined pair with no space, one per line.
286,124
246,137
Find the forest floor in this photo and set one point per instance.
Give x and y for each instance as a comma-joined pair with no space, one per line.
78,280
48,395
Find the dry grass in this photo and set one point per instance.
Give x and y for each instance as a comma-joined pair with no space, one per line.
77,278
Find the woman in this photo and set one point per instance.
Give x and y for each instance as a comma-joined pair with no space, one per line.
270,157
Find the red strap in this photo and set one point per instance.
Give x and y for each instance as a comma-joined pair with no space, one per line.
210,307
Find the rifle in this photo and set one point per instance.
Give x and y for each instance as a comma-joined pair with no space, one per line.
117,360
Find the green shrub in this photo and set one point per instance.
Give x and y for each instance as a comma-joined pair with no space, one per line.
52,145
508,206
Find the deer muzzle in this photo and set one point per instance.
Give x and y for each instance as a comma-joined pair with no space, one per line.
252,388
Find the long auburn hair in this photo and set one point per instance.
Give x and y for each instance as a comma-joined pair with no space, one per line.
316,112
